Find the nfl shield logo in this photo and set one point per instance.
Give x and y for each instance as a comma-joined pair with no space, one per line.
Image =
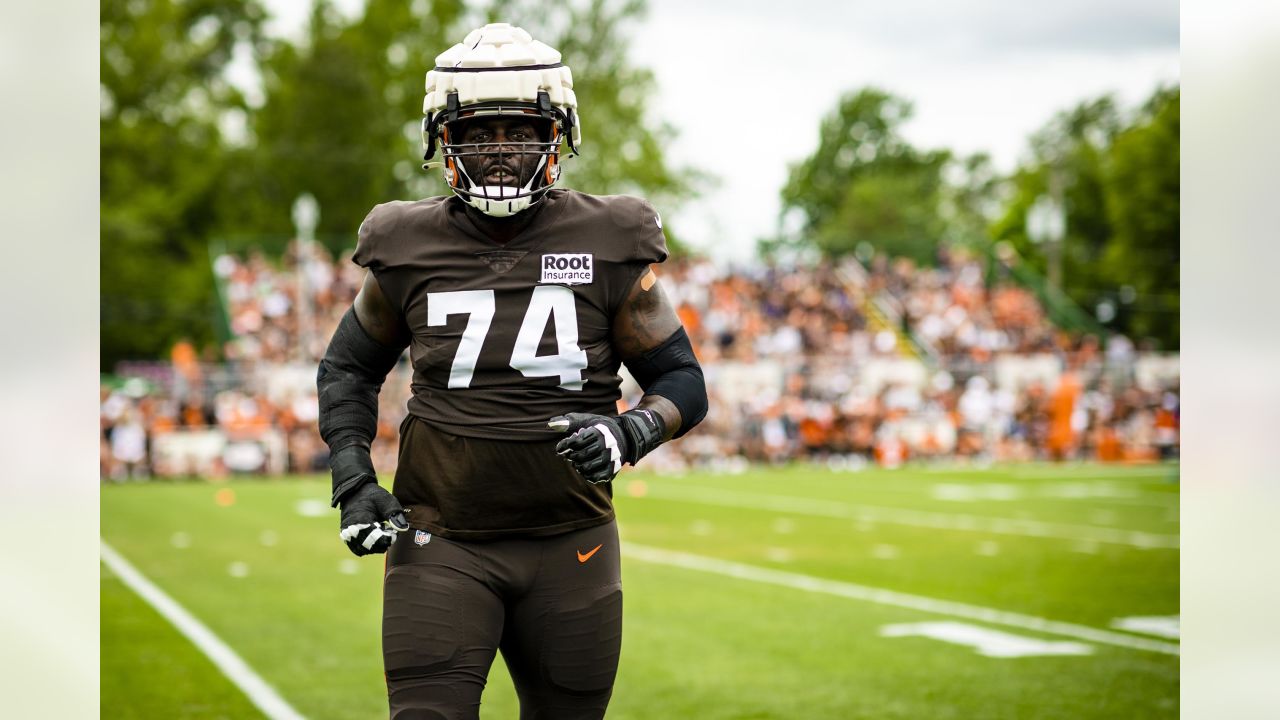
421,538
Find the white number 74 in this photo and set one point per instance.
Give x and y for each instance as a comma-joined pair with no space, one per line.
548,301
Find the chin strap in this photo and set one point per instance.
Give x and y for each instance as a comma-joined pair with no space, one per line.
499,208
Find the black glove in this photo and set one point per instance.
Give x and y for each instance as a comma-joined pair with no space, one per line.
599,444
371,516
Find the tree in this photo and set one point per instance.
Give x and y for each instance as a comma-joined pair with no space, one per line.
162,96
343,111
1118,180
972,198
866,183
339,118
1067,161
1142,205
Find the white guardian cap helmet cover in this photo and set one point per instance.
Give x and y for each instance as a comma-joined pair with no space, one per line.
499,70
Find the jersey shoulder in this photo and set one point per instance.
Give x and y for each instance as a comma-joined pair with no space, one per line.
629,228
386,233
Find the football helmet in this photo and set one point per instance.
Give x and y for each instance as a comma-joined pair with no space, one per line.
499,70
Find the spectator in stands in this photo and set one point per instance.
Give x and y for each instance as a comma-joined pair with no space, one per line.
129,446
814,330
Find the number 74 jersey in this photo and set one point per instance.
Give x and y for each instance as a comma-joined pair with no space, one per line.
505,337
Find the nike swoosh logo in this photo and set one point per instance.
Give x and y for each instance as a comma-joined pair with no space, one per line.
583,558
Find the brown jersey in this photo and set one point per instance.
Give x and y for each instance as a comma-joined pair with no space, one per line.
505,337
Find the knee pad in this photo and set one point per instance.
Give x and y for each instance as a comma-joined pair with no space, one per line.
420,630
439,637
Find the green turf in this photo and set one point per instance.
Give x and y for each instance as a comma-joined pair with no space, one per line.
150,671
306,615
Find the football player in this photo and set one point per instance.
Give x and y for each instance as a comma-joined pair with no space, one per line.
518,302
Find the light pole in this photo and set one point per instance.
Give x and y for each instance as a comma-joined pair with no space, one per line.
306,213
1047,223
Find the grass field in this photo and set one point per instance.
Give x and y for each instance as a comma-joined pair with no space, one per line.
782,593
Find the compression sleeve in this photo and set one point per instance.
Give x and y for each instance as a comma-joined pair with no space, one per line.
671,371
348,381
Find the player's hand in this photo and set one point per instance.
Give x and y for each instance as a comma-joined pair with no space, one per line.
371,517
599,444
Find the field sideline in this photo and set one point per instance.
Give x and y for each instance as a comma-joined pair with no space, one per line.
1030,591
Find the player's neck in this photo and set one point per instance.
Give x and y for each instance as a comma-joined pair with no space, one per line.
505,229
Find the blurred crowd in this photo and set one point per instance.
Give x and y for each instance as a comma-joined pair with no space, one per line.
951,308
891,362
842,364
258,411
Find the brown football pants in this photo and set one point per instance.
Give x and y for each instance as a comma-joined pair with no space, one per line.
552,605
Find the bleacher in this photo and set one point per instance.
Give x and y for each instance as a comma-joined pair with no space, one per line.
844,364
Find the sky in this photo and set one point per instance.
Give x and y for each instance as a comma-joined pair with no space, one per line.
747,82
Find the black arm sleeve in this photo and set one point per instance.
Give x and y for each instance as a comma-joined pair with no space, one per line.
671,371
348,381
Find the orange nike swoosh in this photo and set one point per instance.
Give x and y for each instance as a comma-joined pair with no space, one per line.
583,558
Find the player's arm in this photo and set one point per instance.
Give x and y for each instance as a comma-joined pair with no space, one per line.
654,346
365,347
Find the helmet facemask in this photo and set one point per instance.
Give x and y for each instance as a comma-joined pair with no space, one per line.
533,166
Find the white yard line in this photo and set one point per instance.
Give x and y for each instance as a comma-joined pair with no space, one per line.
237,670
1158,501
1106,492
915,518
1093,473
809,583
